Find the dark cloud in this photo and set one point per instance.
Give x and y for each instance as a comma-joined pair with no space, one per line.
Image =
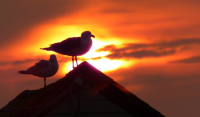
181,42
170,44
140,54
195,59
115,10
17,62
18,16
142,50
60,59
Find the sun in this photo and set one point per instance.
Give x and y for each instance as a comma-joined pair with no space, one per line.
103,64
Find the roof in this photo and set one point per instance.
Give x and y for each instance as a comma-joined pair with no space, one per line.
31,101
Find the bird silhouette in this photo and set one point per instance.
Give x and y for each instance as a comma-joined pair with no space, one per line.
73,46
44,68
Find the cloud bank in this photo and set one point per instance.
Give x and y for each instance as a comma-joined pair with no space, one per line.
145,50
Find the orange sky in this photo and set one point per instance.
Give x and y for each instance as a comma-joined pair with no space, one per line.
149,47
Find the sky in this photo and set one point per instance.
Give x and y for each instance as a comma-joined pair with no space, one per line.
151,47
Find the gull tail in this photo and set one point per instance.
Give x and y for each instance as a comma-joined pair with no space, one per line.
48,49
23,72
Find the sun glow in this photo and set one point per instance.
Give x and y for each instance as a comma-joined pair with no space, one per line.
46,34
103,65
96,45
97,59
106,64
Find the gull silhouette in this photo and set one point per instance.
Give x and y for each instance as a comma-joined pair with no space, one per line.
44,68
73,46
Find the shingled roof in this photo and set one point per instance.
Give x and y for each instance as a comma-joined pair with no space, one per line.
34,102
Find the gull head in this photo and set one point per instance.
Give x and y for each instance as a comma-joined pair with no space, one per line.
53,58
87,34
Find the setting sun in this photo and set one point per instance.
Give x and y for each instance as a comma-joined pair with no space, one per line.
96,59
58,33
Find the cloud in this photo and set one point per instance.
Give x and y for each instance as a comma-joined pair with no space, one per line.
60,59
194,59
170,44
17,62
142,50
116,10
181,42
140,54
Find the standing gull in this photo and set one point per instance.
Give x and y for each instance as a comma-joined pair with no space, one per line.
74,46
44,68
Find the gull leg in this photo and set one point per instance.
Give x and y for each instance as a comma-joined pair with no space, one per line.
73,62
76,60
44,81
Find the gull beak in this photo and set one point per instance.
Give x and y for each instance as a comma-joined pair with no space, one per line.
93,36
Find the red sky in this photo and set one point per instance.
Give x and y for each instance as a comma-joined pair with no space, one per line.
149,47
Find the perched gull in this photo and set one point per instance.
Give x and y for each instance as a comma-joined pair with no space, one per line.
74,46
44,68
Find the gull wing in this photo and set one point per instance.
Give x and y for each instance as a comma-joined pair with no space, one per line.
41,65
66,45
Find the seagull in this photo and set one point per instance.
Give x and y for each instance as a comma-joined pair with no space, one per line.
73,46
44,68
